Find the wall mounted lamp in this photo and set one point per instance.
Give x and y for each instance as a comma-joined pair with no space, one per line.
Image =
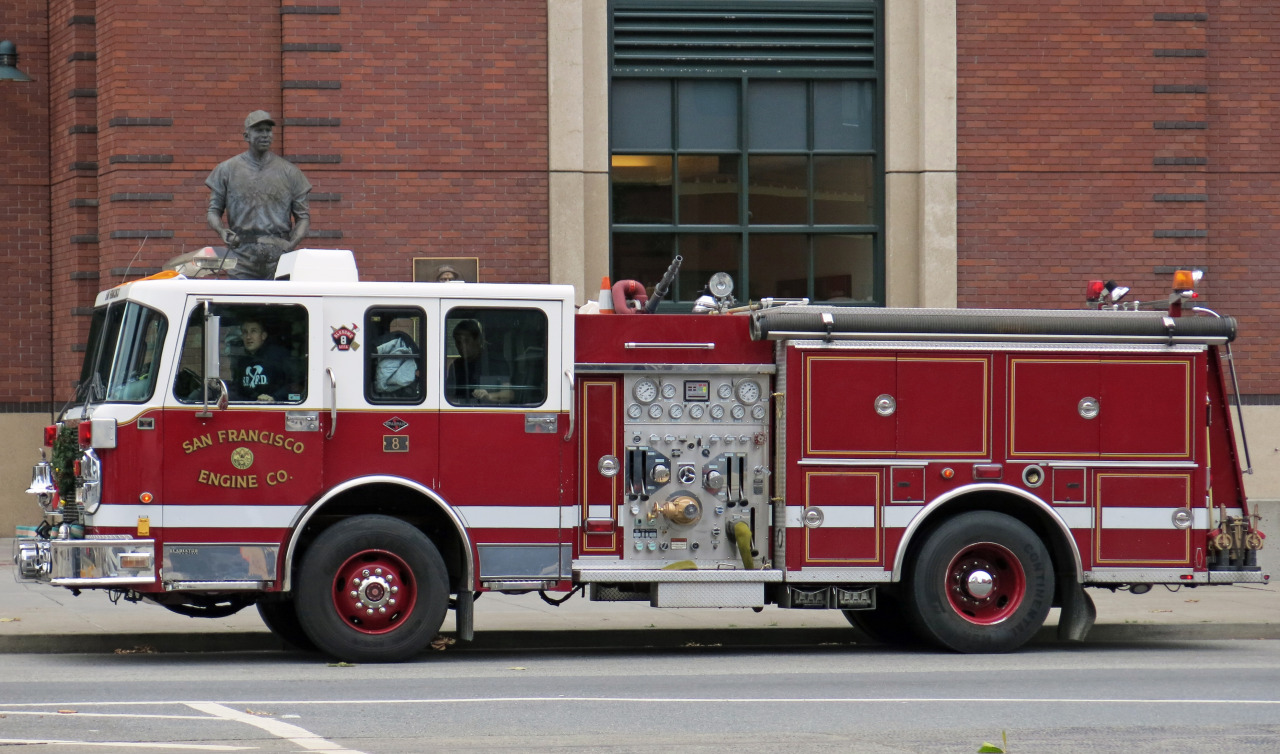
9,63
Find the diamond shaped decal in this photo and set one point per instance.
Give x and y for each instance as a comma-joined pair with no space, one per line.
395,424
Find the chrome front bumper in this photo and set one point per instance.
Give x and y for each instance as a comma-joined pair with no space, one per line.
86,562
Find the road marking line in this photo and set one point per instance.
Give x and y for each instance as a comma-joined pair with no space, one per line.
741,700
292,733
121,744
645,699
52,713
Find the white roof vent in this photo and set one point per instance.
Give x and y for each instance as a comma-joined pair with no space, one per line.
318,265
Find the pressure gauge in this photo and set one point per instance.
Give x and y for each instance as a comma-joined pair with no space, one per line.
645,390
757,412
676,411
717,411
696,411
738,411
634,411
748,391
668,390
655,411
725,391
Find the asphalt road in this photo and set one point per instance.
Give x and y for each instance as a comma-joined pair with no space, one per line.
1160,697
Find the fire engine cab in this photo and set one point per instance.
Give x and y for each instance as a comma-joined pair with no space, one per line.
357,458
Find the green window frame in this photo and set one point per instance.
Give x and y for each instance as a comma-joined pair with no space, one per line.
747,137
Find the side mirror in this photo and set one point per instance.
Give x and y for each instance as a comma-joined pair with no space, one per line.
215,389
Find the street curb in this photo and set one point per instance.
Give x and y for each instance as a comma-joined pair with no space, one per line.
607,640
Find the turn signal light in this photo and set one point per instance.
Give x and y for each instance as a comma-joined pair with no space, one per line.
50,435
135,561
988,471
600,525
84,433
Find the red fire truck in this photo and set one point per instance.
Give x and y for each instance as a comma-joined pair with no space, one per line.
357,458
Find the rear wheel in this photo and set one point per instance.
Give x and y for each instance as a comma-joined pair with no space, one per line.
372,589
887,623
281,617
983,582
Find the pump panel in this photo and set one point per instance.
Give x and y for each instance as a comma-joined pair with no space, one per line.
695,468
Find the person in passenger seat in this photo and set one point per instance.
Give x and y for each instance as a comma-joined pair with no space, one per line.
395,372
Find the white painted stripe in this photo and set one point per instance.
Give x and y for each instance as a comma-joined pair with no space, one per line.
900,516
511,516
642,700
54,713
131,745
278,728
200,516
1077,517
835,516
1199,519
1137,518
599,511
645,700
848,516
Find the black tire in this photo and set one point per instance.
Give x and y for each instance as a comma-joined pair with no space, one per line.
207,606
372,589
281,617
951,603
887,623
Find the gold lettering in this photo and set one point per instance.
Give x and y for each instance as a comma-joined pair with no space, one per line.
229,481
222,435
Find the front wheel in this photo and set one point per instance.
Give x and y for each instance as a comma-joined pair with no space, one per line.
983,582
372,589
281,617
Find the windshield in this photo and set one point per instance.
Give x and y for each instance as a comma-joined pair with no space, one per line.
123,353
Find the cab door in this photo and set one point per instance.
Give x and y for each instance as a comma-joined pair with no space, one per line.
376,363
242,475
503,418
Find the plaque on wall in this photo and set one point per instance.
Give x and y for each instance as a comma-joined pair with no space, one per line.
446,269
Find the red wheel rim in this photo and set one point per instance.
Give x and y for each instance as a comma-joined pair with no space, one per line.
985,583
374,591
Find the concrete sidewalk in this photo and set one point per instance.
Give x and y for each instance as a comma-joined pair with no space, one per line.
38,618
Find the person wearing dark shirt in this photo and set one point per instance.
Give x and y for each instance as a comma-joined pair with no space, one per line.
266,371
474,377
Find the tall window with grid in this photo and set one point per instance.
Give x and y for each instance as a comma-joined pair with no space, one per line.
746,137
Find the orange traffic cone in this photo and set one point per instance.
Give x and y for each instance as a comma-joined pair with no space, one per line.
606,296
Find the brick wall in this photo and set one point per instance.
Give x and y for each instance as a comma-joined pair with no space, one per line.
421,125
24,211
1114,140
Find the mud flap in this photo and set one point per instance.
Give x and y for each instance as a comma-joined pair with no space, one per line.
1077,614
463,615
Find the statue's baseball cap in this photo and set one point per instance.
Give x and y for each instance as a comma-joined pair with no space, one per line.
256,117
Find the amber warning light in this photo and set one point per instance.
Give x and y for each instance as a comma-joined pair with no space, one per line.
1184,282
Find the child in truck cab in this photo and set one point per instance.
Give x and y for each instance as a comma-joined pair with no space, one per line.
266,372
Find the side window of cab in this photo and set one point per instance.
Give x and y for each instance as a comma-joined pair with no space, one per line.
495,356
395,360
262,349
